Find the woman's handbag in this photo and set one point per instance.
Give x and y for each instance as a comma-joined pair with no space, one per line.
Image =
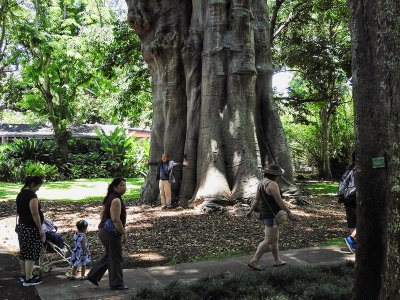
281,217
109,226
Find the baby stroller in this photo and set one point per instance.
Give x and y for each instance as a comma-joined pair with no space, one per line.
54,250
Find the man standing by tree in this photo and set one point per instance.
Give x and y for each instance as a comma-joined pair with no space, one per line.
165,176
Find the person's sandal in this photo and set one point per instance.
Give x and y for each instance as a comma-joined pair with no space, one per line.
280,264
256,268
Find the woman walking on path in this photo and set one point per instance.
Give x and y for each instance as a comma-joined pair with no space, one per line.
269,194
112,234
29,229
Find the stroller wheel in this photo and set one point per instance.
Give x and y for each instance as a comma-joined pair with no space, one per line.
47,268
37,271
68,272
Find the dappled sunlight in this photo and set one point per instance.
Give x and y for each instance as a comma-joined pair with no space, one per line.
9,191
72,190
147,256
214,184
140,226
158,237
75,192
81,191
328,188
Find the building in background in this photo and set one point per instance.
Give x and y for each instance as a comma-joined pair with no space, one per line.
10,132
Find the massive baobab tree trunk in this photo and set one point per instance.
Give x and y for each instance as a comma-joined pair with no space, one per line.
375,31
211,70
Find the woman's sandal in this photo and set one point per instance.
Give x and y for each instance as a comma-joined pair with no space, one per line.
280,264
256,268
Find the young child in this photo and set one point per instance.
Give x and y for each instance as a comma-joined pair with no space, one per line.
80,255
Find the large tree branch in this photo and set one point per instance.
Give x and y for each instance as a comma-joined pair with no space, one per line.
302,100
278,4
293,15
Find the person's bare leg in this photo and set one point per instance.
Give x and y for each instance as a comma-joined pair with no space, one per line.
353,233
29,264
264,246
83,271
275,249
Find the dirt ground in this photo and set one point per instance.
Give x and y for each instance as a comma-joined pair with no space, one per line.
162,237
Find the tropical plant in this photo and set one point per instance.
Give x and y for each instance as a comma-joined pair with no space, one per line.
10,169
46,171
87,165
135,162
31,149
116,146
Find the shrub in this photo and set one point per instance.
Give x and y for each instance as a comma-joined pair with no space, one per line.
82,146
31,149
10,169
135,162
88,165
119,151
46,171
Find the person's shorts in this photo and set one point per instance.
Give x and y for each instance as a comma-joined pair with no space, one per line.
269,222
351,216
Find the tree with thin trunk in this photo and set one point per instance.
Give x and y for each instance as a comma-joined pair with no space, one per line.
210,63
375,31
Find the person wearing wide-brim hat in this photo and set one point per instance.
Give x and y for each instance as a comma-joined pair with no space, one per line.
268,192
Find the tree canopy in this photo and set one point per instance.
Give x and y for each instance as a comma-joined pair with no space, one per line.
71,55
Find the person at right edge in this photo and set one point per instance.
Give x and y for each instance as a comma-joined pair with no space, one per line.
269,194
113,211
347,196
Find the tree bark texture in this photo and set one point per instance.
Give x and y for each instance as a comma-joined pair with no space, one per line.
375,30
211,70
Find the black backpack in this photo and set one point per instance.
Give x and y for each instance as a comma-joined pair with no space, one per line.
347,186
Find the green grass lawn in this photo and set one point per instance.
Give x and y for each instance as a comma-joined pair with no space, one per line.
320,188
73,190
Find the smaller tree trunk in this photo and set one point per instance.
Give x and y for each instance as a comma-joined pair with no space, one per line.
375,32
326,127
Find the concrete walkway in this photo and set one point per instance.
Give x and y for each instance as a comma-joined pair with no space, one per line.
56,286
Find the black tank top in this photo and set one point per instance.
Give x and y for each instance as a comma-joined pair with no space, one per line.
269,207
23,209
106,212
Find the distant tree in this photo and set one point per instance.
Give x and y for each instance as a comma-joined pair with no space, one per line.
316,46
10,13
305,138
125,65
61,50
375,32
